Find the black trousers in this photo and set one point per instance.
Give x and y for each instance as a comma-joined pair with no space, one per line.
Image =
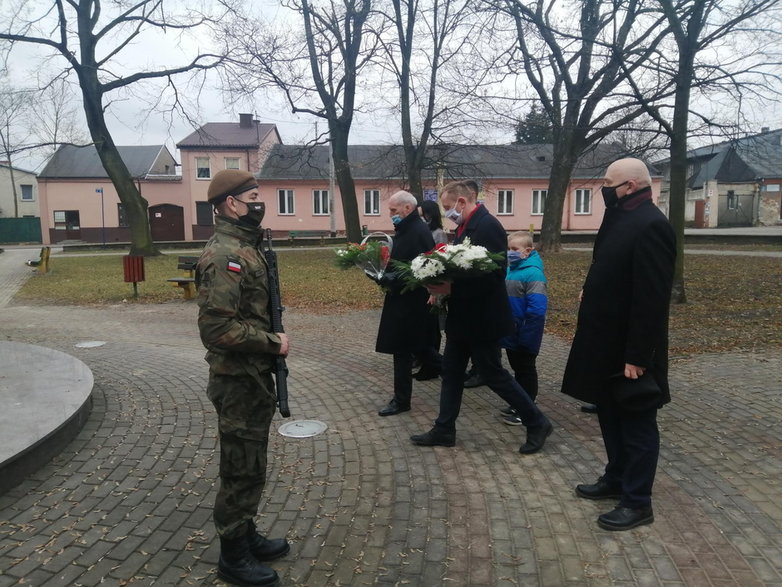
632,444
488,359
524,370
403,378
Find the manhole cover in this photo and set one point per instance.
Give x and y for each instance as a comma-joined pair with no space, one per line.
89,344
302,428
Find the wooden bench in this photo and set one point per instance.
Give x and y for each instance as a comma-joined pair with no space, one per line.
43,262
187,281
322,234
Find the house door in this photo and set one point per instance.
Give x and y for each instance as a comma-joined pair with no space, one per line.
700,213
72,225
167,222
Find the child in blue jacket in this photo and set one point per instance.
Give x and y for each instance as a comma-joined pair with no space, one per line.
527,292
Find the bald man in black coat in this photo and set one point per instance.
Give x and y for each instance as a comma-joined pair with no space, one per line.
622,336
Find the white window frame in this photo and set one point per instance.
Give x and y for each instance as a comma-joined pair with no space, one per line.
199,167
289,201
320,202
22,197
504,202
238,162
371,202
538,202
583,202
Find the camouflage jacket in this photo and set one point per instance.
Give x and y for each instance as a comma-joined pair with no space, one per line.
233,302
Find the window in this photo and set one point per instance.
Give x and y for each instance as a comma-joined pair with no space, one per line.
583,201
372,202
59,219
538,201
320,202
505,202
202,168
27,193
122,216
733,200
285,202
204,214
232,162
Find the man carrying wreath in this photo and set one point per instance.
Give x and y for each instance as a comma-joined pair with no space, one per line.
479,315
407,327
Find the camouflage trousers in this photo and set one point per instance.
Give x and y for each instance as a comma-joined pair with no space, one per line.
245,407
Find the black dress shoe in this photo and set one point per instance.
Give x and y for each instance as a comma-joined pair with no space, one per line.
425,374
602,489
625,518
536,438
393,409
434,438
589,408
474,381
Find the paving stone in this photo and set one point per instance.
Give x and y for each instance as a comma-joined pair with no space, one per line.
130,498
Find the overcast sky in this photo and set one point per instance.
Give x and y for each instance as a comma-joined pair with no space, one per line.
132,122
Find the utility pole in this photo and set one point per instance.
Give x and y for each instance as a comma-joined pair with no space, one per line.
332,214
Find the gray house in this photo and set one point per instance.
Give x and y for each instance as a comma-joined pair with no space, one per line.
733,183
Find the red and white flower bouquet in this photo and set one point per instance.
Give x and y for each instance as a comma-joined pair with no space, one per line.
372,255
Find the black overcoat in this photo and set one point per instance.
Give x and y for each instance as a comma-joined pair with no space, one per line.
406,323
623,316
478,308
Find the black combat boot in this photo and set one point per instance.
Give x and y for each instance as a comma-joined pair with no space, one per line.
265,549
238,567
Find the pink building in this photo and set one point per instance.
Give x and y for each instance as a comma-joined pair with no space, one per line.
216,146
514,179
79,203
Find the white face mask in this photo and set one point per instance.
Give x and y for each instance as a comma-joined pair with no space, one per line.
454,215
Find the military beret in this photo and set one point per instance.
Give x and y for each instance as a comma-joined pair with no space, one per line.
229,182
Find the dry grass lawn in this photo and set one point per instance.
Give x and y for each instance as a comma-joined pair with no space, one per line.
733,302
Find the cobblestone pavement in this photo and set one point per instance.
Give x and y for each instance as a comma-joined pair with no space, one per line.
128,502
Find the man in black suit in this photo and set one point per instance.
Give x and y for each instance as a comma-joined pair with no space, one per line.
479,316
622,332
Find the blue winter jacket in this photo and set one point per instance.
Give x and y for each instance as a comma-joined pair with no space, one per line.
526,285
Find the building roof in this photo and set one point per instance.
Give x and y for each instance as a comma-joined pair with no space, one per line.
72,162
4,165
228,135
738,160
303,162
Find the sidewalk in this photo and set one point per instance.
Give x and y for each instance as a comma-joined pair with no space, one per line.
128,502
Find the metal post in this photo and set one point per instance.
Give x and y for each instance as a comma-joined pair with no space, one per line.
332,215
102,216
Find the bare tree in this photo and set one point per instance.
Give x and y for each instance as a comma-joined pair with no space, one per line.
576,57
316,68
430,33
93,42
13,107
55,120
737,68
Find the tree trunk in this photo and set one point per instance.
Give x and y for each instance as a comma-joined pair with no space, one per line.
678,186
347,187
92,96
415,185
559,180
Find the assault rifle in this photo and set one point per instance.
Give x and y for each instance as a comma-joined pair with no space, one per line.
276,308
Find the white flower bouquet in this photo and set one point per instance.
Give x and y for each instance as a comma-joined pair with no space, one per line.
448,263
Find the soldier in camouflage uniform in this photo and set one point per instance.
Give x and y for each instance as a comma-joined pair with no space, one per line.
235,327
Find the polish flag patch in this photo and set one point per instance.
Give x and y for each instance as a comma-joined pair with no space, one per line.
234,266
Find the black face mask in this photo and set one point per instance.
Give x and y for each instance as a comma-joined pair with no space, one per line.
255,213
609,194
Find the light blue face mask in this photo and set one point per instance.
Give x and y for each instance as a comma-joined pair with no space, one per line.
396,219
514,256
